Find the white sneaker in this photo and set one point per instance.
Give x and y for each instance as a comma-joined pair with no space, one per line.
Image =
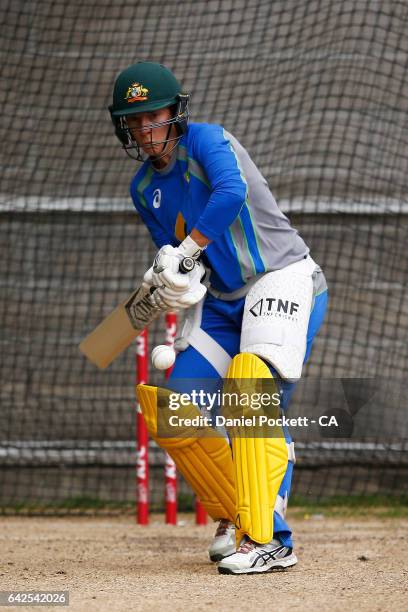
252,558
223,543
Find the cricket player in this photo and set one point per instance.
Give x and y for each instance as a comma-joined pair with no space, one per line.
254,316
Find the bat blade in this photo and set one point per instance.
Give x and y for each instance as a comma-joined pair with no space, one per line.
118,330
111,337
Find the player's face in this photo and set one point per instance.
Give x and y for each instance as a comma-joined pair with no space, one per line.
150,138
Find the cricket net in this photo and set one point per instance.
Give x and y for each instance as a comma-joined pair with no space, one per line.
317,92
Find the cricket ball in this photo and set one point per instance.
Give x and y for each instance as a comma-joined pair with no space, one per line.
163,357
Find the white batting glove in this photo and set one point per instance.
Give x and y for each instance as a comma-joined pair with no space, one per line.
169,299
165,270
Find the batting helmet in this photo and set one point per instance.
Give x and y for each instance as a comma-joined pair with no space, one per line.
145,87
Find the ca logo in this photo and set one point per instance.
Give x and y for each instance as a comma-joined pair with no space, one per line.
156,198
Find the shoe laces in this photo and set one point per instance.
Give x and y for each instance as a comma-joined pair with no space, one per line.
246,547
222,527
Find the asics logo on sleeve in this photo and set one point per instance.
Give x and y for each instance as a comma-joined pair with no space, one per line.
156,198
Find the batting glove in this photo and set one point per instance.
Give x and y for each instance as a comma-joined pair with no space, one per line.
166,267
169,299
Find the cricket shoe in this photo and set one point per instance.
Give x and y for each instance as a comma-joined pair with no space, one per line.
252,558
223,543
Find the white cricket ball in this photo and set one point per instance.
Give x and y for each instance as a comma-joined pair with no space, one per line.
163,357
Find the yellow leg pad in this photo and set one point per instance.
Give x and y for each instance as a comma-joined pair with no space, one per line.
259,462
202,456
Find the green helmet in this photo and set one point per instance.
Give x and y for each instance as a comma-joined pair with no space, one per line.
145,87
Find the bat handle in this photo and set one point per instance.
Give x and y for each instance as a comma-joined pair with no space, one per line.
186,265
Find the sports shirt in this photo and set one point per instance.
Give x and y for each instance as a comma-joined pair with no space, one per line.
212,184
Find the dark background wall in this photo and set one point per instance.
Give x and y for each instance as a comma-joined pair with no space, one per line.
317,93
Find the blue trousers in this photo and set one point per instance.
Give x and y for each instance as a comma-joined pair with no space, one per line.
222,321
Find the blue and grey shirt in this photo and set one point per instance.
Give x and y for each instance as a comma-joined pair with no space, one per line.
213,185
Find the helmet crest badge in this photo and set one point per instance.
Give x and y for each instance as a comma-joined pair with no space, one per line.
136,93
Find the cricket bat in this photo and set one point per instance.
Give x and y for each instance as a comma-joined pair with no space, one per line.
115,333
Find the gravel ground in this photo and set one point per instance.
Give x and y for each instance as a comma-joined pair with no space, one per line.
113,564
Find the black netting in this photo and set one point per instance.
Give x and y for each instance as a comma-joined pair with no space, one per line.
317,92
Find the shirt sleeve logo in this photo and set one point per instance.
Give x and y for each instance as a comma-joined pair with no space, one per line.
156,198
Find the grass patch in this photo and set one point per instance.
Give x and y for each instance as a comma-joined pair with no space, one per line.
385,506
73,506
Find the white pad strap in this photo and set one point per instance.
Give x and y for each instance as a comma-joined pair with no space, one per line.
291,452
193,335
210,350
281,503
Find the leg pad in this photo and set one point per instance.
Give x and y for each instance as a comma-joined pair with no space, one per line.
205,461
259,462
